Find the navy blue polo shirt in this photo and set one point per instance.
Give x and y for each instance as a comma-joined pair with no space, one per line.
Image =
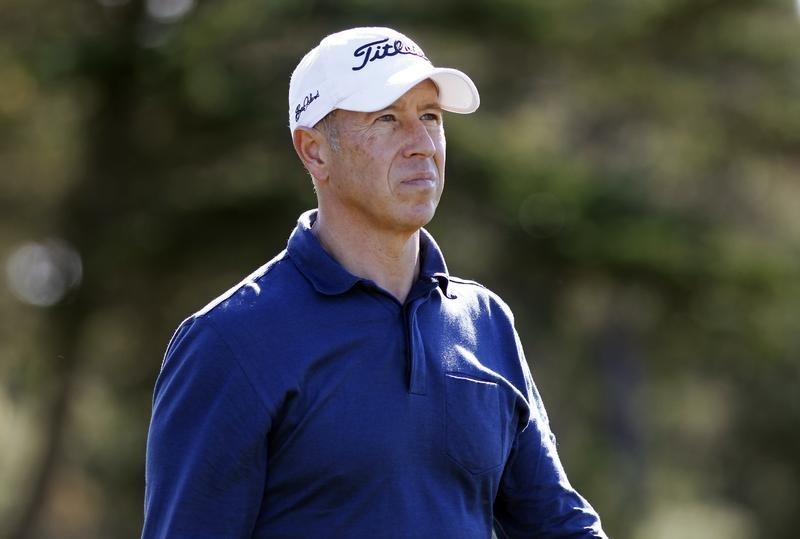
308,402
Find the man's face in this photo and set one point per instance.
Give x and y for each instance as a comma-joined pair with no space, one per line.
388,170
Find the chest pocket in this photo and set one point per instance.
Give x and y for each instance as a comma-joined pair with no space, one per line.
476,423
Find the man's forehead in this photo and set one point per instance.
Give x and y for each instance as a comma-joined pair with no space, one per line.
423,95
425,90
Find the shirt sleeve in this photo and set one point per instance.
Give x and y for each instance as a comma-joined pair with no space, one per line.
207,444
535,498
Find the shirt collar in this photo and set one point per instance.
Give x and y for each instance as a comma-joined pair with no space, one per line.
432,265
328,277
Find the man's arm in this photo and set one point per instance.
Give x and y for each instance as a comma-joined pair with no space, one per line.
535,498
206,448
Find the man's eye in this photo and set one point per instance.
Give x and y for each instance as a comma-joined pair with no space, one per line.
386,118
430,117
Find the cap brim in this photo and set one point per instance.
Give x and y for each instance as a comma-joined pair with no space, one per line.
457,92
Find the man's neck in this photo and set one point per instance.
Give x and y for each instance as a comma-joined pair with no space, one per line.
390,260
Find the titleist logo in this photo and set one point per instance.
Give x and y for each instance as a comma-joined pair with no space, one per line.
307,100
375,51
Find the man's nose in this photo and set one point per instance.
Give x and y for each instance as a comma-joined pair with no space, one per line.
419,140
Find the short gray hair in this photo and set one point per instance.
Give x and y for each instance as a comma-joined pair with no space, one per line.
329,126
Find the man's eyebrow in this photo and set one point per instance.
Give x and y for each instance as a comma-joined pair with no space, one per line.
432,105
427,106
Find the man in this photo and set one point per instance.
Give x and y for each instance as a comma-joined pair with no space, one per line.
351,387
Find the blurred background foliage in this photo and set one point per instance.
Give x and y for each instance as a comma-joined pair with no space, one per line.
630,186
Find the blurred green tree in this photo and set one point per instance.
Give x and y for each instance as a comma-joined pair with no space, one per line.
628,186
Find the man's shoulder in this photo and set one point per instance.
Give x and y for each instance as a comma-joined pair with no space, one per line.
261,292
478,295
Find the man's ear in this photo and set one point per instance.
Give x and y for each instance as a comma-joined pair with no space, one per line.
312,148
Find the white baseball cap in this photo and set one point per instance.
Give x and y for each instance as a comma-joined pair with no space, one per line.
368,69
